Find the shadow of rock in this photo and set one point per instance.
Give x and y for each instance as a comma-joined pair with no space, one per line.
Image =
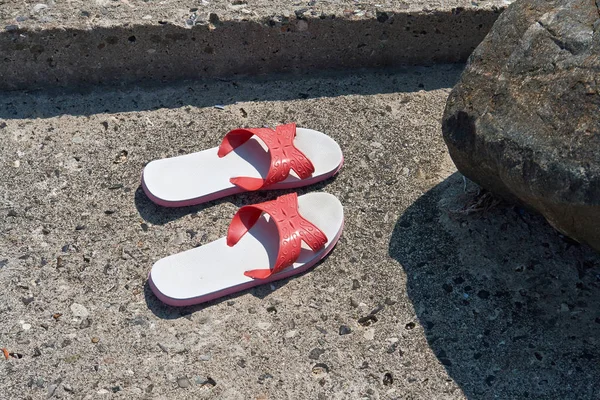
509,307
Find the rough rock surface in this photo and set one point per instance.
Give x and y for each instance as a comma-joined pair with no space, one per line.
524,120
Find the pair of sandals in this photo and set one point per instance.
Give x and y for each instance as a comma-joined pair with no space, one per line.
266,241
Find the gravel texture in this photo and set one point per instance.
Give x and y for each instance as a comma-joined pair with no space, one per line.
433,292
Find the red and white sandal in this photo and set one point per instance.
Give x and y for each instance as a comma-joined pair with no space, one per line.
265,242
248,159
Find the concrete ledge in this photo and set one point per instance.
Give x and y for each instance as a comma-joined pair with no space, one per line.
53,50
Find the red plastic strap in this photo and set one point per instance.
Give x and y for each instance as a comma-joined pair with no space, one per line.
284,155
292,228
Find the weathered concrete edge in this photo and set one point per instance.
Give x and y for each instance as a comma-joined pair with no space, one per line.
56,57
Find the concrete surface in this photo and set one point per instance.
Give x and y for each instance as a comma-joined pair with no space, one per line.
471,299
107,42
82,14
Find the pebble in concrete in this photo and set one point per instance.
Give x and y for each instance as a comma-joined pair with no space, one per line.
79,311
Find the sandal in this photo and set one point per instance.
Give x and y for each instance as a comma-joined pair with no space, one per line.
248,159
265,242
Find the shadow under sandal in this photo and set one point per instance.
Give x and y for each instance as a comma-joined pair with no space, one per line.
265,242
248,159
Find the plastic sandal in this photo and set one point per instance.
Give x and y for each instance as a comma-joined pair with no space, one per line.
265,242
248,159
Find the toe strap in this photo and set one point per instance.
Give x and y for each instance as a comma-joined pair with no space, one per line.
284,155
291,226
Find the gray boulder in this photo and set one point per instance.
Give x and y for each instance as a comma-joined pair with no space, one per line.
524,119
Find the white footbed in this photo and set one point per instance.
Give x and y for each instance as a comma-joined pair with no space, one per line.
215,266
201,174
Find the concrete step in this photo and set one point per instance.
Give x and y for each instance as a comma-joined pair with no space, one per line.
112,42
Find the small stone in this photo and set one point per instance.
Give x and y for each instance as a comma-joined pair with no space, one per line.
315,353
264,325
11,28
264,377
37,352
51,390
17,163
388,379
26,327
564,307
389,301
21,18
290,334
302,26
68,388
353,303
393,348
345,330
206,382
369,334
205,357
86,323
410,326
27,300
367,320
79,311
12,213
39,7
320,370
355,284
95,340
102,391
121,157
377,309
300,13
213,18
